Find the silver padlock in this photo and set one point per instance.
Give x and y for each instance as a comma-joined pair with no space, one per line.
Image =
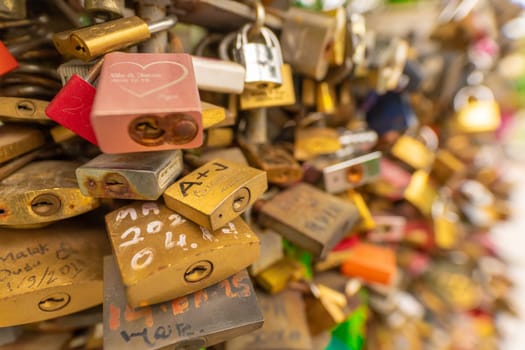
262,60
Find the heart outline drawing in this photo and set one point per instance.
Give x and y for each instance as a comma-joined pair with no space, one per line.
158,88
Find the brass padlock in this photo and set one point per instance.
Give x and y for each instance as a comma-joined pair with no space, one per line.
50,272
14,109
447,167
198,159
421,192
42,192
276,277
212,115
477,110
216,193
281,168
13,9
284,326
16,140
155,246
141,175
190,322
105,9
367,221
315,141
325,309
412,152
218,137
317,222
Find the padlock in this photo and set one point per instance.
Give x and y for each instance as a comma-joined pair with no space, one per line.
372,263
212,115
307,39
271,251
308,92
143,176
216,193
280,167
67,69
388,229
412,152
155,246
96,40
162,109
477,110
325,98
105,9
351,173
317,223
311,142
218,75
218,137
71,107
446,223
388,66
447,167
284,326
42,192
13,109
367,221
13,9
421,193
276,277
16,140
283,95
232,154
50,272
262,61
337,56
190,322
8,61
325,309
390,112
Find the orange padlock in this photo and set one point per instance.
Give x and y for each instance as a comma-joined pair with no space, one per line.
372,263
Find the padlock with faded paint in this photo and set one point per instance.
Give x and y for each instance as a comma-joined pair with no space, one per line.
284,326
96,40
216,193
42,192
52,271
71,107
162,109
157,247
189,322
317,223
262,60
143,176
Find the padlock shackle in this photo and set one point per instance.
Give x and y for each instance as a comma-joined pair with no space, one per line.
94,71
162,24
260,17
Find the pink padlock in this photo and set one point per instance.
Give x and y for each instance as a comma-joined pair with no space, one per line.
147,102
71,107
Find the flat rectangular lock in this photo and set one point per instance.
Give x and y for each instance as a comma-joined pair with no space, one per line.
218,75
315,141
212,115
352,173
42,192
271,251
317,222
50,272
14,109
280,166
144,175
372,263
155,246
284,326
216,193
162,109
16,140
190,322
412,152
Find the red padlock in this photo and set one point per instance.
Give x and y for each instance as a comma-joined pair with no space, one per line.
7,61
71,107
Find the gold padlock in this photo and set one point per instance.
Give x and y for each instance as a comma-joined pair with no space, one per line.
42,192
212,115
276,277
412,152
232,154
155,246
447,167
314,141
218,137
338,53
191,322
50,272
317,222
216,193
421,193
283,95
16,140
477,110
284,326
15,109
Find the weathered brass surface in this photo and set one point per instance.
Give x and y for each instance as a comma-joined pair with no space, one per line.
17,139
216,193
14,109
161,255
412,152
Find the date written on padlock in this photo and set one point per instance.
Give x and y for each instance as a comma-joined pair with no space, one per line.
284,326
216,193
50,272
162,109
16,140
42,192
190,322
317,223
140,175
156,247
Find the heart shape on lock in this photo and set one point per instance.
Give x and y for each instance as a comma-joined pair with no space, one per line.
143,80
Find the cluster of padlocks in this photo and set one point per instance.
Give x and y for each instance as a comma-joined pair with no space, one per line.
248,175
